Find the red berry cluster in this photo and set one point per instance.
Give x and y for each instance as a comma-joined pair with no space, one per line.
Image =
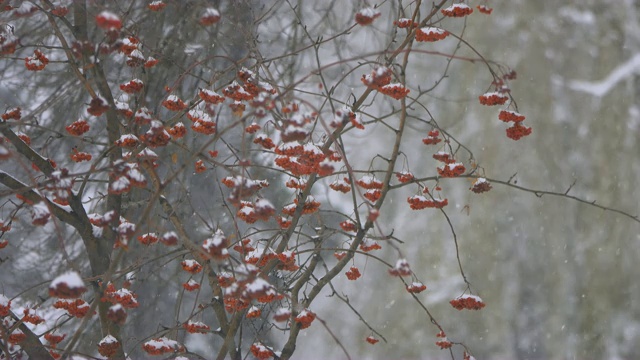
371,340
369,245
510,116
209,17
31,317
457,10
404,23
210,96
341,185
53,340
481,185
253,313
108,346
366,16
123,296
493,98
174,103
117,314
444,157
433,137
430,34
451,170
60,11
97,106
264,141
401,268
75,307
156,6
395,90
108,21
67,286
132,87
196,327
405,177
470,302
485,9
15,114
518,131
148,238
159,346
442,341
191,266
369,183
282,314
36,62
77,128
178,130
260,351
419,202
5,306
127,141
353,273
215,247
372,195
310,206
191,285
348,226
305,318
416,287
156,136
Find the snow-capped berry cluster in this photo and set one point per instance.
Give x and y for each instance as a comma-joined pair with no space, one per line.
67,286
123,296
108,21
401,268
395,90
348,226
75,307
132,86
209,17
371,340
78,128
419,202
510,116
405,177
163,345
261,351
108,346
369,245
470,302
36,62
156,6
12,114
416,287
442,341
305,318
481,185
366,16
457,10
451,170
196,327
433,137
404,23
484,9
430,34
380,79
